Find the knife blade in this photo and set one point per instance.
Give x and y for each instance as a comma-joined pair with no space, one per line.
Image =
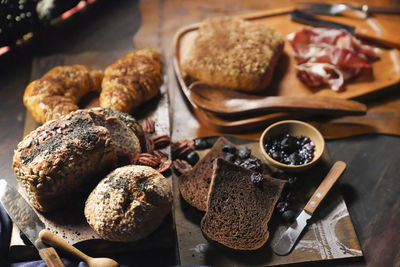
378,34
309,19
23,215
288,239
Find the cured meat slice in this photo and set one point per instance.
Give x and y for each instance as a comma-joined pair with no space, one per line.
330,56
317,74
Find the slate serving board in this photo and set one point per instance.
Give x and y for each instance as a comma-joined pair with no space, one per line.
330,235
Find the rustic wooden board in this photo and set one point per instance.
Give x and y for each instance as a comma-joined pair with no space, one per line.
70,222
330,235
386,70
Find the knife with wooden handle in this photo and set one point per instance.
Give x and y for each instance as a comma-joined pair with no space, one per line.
22,214
290,236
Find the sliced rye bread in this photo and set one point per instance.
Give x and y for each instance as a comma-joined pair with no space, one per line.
239,210
194,185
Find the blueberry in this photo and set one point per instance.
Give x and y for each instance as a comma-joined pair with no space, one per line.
229,148
253,164
210,141
244,152
276,156
257,179
281,206
192,158
290,197
200,143
288,216
230,157
292,179
238,162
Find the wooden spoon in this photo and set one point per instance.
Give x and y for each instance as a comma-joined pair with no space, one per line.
52,239
223,101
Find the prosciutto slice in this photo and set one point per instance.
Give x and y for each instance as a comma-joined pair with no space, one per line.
330,56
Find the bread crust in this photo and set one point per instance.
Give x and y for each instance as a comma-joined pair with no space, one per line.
62,158
234,53
58,92
238,211
129,204
194,185
132,80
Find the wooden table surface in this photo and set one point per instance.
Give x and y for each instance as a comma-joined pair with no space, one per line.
370,185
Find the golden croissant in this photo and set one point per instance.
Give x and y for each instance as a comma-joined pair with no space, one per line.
131,80
59,90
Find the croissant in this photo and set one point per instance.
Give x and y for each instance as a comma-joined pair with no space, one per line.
131,80
59,90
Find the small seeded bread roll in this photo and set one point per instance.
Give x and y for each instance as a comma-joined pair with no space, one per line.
129,204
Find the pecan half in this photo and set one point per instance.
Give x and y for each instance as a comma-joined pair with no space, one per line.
160,154
149,145
149,160
160,141
164,166
181,166
180,149
148,125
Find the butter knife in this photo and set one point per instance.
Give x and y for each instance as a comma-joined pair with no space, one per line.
28,222
291,235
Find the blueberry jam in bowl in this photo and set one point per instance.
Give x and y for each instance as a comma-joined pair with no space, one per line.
292,145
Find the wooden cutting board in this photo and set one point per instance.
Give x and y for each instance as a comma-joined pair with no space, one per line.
386,70
329,236
70,223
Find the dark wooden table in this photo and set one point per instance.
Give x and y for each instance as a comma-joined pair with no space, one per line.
370,185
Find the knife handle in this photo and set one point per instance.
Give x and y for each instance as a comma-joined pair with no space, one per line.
50,257
323,189
376,32
383,9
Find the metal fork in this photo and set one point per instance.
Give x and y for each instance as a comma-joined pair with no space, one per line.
336,9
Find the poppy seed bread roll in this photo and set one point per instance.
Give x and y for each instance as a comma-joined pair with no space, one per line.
62,158
129,204
234,53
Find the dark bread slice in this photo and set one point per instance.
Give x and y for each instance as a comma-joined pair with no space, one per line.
239,210
194,185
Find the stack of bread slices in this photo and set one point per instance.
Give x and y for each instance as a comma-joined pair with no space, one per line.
237,206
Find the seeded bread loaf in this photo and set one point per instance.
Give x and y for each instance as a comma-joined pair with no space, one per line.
66,156
194,184
127,134
129,204
239,206
234,53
